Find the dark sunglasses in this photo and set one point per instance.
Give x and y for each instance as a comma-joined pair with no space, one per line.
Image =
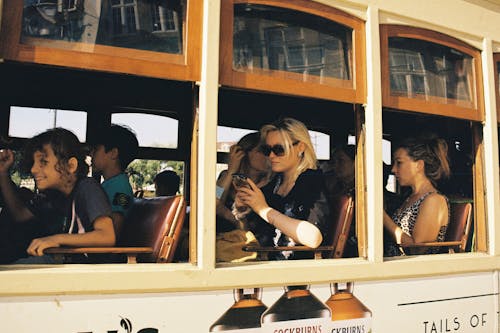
278,150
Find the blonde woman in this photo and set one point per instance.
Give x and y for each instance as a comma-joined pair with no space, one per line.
292,208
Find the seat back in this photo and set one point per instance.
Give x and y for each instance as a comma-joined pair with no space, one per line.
156,223
459,225
342,217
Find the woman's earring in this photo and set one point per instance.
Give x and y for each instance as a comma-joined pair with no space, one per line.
301,154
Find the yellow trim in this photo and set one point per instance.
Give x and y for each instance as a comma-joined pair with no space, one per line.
205,274
147,278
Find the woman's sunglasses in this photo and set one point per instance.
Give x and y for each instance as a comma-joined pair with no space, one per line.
278,149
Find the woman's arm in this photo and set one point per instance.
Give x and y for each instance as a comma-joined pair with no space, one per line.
300,231
236,154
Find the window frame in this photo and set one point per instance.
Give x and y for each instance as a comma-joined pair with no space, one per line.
185,66
496,66
475,115
411,104
277,81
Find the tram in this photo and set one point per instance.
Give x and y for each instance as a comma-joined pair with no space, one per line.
191,77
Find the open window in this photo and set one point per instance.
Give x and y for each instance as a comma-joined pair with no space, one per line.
151,38
302,60
431,86
38,98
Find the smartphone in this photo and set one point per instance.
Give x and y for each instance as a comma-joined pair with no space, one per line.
240,180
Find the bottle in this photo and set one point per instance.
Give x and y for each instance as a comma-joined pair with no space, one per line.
297,308
245,313
348,311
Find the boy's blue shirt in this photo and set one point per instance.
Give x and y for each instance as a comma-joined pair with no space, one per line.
119,192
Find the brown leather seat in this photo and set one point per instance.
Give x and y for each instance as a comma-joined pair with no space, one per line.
150,232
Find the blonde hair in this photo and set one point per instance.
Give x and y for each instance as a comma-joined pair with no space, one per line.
293,131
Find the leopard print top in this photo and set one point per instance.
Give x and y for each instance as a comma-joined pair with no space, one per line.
406,218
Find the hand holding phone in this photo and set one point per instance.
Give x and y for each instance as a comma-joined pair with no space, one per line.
240,180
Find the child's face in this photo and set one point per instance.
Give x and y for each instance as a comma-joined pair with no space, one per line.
99,158
44,169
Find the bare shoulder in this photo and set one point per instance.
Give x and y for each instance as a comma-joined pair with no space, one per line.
435,201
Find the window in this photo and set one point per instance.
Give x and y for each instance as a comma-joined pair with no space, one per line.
427,72
26,122
127,36
312,49
143,171
151,130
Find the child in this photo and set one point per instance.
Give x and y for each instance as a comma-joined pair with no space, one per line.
71,209
113,151
166,183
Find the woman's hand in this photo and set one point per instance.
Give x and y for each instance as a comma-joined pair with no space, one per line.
253,198
236,154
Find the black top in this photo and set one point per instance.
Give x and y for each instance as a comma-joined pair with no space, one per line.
306,201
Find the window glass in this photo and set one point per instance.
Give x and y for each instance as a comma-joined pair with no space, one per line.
27,122
142,173
151,130
429,71
228,136
267,38
140,24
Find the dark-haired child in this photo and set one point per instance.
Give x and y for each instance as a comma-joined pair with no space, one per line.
70,208
113,151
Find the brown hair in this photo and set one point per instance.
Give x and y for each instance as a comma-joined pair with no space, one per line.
433,151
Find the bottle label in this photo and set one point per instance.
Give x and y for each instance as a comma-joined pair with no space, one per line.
313,325
358,325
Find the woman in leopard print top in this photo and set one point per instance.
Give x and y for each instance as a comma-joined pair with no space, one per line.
423,217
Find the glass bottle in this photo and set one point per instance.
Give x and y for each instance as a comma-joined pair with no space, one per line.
297,307
245,313
344,305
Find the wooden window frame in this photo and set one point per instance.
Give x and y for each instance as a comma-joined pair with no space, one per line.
476,113
277,81
496,61
185,66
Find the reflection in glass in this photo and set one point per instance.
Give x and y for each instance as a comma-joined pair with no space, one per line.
272,38
420,69
153,25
